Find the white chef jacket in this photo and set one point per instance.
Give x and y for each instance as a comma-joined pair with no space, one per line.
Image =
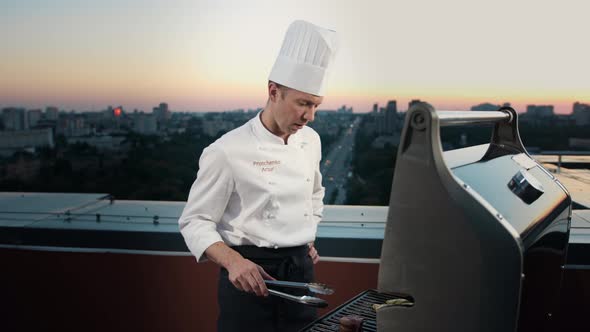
253,189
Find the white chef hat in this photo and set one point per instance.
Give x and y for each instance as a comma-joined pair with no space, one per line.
305,58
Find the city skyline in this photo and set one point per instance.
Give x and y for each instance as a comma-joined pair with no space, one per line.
215,56
400,107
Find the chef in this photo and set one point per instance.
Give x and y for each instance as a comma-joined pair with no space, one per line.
257,200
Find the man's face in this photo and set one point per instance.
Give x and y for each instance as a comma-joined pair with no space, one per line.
294,109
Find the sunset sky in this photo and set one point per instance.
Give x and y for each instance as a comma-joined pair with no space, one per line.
216,55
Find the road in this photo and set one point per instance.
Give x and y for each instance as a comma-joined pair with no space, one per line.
337,165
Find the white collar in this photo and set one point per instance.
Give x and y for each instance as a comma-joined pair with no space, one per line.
266,136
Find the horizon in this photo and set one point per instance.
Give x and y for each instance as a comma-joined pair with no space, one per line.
214,56
240,109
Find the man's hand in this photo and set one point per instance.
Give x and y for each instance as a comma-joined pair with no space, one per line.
243,273
313,253
248,277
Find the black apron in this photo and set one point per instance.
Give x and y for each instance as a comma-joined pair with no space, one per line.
241,311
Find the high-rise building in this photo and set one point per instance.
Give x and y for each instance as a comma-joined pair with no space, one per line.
581,114
413,102
108,113
161,112
33,117
540,111
51,113
344,109
485,107
385,119
21,139
77,126
381,123
146,124
390,117
14,118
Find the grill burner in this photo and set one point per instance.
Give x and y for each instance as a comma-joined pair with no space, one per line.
361,305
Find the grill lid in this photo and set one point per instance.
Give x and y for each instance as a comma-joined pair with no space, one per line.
464,228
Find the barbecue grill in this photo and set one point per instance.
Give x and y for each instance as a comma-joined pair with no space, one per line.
475,237
361,305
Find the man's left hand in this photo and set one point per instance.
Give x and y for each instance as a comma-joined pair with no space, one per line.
313,253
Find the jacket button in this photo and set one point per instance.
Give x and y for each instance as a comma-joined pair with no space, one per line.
308,180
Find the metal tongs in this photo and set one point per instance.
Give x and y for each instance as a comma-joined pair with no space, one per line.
305,299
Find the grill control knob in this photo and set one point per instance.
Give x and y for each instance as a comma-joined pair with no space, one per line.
524,185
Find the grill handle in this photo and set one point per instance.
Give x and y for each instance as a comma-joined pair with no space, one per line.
457,118
424,119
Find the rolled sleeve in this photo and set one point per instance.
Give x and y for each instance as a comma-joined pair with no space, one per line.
207,201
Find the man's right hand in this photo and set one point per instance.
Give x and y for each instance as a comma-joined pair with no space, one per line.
243,273
248,277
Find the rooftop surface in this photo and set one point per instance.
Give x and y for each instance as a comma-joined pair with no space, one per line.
576,180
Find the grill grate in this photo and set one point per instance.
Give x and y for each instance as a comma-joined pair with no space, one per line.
361,305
